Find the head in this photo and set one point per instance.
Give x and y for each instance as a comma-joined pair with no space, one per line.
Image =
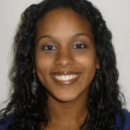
63,30
47,41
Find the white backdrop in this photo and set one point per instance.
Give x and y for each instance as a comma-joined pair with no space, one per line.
115,12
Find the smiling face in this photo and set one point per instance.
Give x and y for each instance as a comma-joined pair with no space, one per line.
65,45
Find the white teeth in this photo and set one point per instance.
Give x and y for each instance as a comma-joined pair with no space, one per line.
65,77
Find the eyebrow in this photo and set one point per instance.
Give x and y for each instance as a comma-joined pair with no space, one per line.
82,34
44,36
76,35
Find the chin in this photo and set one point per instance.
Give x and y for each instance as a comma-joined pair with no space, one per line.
65,97
68,95
62,97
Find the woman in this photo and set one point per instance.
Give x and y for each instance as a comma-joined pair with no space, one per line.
64,73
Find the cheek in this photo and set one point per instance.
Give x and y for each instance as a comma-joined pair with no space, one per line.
43,65
43,61
88,64
87,60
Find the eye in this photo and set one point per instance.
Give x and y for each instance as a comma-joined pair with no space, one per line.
49,47
80,46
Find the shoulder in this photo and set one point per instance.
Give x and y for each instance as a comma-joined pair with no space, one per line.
7,122
127,119
127,116
125,111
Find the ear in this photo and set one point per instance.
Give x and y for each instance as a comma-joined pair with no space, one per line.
34,70
97,63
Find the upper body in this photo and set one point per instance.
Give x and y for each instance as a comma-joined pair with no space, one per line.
126,125
64,73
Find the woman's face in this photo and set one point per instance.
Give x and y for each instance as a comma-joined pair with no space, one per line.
65,54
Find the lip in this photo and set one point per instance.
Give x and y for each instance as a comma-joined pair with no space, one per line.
67,82
64,73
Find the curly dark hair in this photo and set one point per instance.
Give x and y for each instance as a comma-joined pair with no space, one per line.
104,102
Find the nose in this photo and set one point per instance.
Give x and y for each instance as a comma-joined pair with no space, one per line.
64,58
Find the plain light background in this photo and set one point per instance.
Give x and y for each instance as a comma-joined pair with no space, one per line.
116,14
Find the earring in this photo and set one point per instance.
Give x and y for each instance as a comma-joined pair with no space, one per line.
34,86
97,76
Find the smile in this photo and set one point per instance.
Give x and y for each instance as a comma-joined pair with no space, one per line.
65,79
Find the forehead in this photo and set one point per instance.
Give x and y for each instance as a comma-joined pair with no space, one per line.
62,22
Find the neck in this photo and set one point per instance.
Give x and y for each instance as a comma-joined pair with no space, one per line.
72,113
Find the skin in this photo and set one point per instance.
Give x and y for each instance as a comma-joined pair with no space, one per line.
59,28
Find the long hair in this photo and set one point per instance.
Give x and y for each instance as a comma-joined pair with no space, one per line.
104,102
